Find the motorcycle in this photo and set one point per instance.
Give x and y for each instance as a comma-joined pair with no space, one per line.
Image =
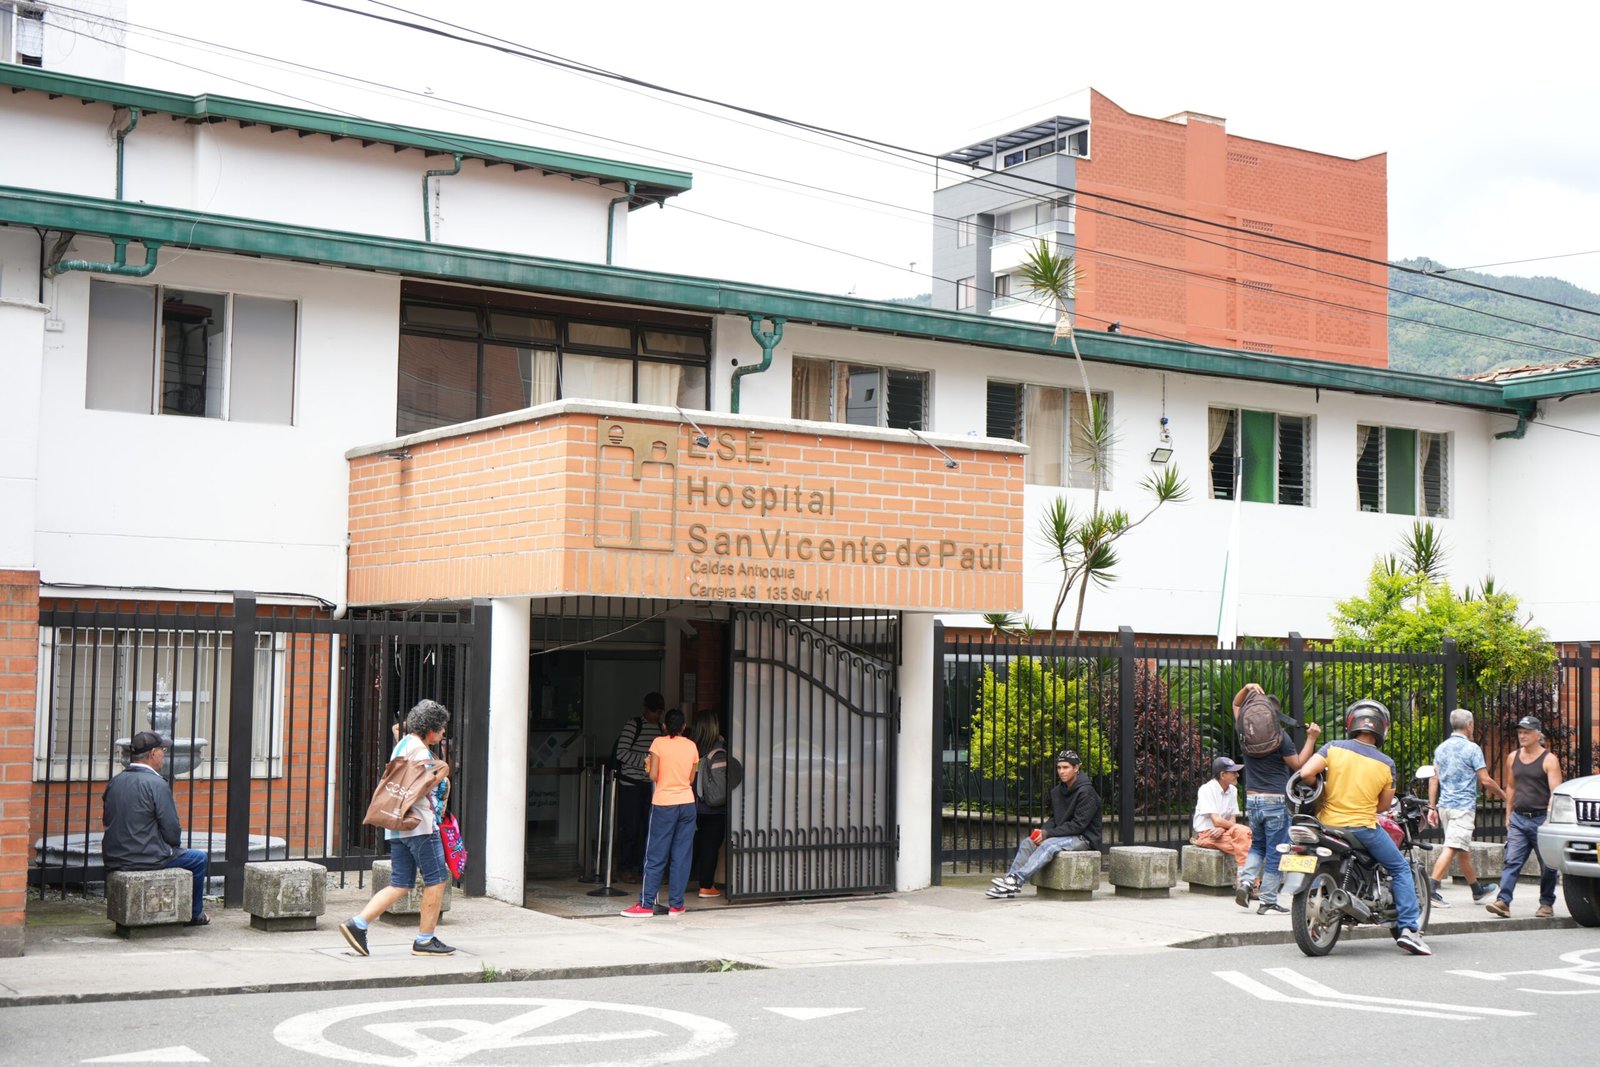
1334,881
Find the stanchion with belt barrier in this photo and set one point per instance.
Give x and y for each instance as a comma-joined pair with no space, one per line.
605,834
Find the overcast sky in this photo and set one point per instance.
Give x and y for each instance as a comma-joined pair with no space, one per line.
1486,114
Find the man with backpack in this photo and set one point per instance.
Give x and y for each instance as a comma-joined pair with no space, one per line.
1269,757
634,788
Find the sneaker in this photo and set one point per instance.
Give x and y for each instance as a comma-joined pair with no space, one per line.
199,920
1241,895
1545,912
431,947
710,894
638,911
673,913
356,936
1500,908
1272,909
1006,881
1435,896
1412,942
996,893
1483,891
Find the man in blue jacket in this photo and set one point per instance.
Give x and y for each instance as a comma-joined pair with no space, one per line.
142,831
1073,826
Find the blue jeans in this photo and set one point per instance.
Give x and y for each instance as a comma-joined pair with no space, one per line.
1269,827
419,853
1381,847
1522,837
669,850
197,863
1030,857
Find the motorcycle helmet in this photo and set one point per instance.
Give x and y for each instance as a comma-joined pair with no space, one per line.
1367,715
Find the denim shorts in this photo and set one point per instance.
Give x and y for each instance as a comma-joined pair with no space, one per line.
408,855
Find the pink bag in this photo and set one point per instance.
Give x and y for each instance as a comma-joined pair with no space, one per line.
455,849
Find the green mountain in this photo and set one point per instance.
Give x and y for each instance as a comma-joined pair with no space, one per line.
1476,342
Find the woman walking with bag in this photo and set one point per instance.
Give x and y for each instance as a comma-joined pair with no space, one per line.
416,850
671,765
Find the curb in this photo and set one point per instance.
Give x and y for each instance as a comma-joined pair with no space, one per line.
509,974
1363,933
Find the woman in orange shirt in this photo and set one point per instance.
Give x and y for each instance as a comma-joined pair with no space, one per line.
669,848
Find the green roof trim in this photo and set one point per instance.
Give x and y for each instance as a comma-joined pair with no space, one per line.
653,184
1551,385
416,259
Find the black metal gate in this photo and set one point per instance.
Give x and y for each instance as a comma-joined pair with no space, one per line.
813,716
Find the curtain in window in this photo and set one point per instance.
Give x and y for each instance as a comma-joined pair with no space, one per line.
1258,432
538,370
1217,420
812,391
1369,470
1399,471
658,383
1080,448
1044,431
596,378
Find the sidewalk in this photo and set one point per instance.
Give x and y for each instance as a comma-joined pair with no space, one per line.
73,954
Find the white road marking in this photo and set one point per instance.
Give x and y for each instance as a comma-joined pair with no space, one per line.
1266,992
1317,989
807,1014
1580,969
421,1032
170,1054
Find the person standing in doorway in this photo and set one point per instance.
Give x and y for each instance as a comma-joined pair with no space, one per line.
1458,770
710,821
633,786
417,850
668,849
1532,771
1267,809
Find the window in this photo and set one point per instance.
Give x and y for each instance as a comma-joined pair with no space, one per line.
1402,472
825,391
1022,222
184,352
1076,144
966,230
459,363
1268,454
964,293
1052,422
1002,286
102,686
22,34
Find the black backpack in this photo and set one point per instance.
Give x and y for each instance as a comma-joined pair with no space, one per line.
719,775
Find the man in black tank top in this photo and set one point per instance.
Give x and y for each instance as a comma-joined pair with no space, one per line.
1532,771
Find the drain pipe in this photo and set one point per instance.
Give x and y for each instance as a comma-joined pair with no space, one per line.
611,217
427,213
768,340
1520,430
122,135
119,265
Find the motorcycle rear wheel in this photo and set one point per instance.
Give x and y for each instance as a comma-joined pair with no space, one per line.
1424,890
1317,925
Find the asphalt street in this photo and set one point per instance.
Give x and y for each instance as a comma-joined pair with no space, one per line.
1495,996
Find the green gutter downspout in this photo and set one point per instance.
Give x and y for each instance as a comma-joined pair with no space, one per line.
1520,430
119,266
133,124
768,340
611,217
427,215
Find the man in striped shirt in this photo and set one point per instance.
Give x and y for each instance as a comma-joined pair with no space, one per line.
634,788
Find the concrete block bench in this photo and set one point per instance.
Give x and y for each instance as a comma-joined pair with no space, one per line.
412,904
147,903
1208,871
1143,870
285,894
1069,876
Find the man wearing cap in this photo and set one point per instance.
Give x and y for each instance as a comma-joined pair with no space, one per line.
1216,814
1532,771
142,831
1073,826
1459,769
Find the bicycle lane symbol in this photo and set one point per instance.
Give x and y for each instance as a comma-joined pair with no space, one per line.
419,1032
1583,968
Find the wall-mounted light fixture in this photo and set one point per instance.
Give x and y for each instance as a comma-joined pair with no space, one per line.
948,460
700,438
1163,450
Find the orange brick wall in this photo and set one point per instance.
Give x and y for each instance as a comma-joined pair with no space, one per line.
538,508
19,655
1215,293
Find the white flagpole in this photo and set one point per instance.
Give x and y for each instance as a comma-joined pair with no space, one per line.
1228,598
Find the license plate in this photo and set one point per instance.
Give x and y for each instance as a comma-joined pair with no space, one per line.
1297,864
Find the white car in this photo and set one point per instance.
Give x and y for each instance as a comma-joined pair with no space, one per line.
1569,842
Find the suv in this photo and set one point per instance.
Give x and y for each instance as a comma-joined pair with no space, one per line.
1569,842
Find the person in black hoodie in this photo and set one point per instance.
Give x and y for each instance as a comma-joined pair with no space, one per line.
1073,826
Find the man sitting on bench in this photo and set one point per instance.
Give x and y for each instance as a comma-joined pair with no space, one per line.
1073,826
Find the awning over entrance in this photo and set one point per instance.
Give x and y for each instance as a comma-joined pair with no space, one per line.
620,500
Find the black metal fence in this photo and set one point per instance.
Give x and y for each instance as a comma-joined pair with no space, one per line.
1149,718
278,723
